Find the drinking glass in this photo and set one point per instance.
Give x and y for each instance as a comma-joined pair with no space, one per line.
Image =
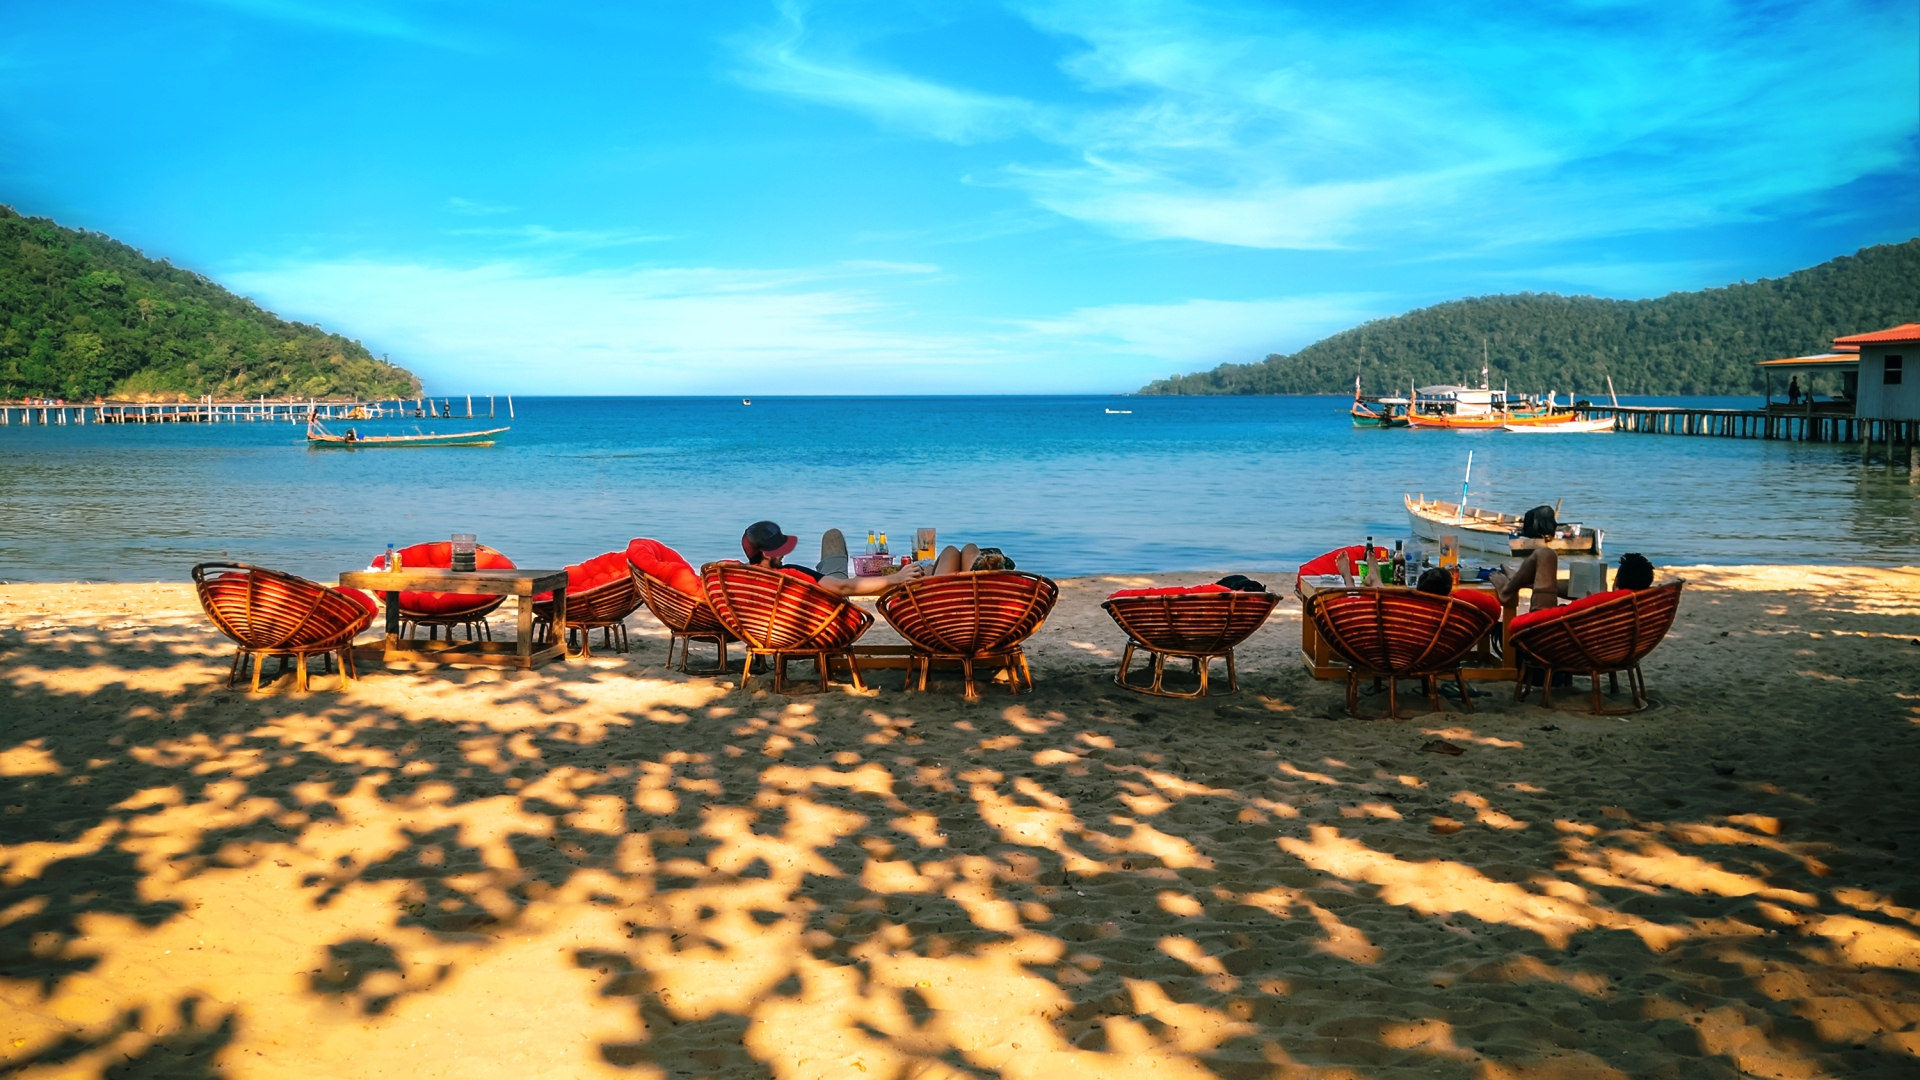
923,541
463,551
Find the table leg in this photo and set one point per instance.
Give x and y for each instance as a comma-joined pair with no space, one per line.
523,640
393,623
560,622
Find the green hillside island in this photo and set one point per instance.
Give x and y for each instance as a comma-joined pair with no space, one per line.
83,316
1683,343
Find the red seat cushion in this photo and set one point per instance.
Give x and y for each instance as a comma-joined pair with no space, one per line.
666,564
1326,564
363,599
1170,590
591,574
1521,622
1481,599
439,554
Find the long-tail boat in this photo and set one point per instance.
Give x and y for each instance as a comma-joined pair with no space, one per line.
318,436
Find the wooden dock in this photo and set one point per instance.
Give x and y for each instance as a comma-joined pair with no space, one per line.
1821,423
255,411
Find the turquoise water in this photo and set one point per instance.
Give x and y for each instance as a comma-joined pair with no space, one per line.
1209,484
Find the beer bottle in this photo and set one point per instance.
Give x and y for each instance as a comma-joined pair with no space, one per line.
1399,563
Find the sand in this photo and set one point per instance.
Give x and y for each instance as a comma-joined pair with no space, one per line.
604,868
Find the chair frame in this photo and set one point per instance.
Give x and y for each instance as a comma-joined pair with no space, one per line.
310,604
1150,623
918,613
604,607
1459,627
1574,643
688,619
800,615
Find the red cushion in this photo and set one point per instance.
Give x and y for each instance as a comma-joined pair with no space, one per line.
1325,564
1481,599
1522,621
666,564
361,598
439,554
1170,590
591,574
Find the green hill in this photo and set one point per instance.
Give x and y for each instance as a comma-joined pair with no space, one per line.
83,316
1683,343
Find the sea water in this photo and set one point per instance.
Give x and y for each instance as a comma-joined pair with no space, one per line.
1063,484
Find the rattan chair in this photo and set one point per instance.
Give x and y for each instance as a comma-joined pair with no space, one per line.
781,616
1610,635
602,600
971,617
435,610
1198,626
1393,632
271,614
687,618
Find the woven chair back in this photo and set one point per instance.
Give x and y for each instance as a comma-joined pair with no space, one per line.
607,602
1612,635
264,610
1398,632
1192,624
677,611
777,612
970,614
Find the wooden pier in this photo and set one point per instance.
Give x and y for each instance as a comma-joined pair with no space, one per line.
255,411
1820,423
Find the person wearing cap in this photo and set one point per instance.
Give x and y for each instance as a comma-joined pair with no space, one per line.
767,546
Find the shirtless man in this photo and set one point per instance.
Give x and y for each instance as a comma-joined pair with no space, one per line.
767,546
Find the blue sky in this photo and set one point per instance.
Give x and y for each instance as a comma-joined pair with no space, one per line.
917,196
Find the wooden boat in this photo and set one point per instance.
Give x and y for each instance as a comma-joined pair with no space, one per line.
1490,532
1374,411
318,436
1573,424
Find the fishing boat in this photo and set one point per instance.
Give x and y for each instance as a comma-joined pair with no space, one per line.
319,436
1492,532
1119,412
1374,411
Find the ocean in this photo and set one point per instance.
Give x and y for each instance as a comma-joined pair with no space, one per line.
1063,484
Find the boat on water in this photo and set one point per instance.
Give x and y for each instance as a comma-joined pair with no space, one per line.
1604,423
350,439
1467,408
1492,532
1119,412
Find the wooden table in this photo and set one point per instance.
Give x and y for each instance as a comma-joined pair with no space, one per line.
520,584
1483,664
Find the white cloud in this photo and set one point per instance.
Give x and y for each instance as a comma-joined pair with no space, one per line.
1271,127
1197,334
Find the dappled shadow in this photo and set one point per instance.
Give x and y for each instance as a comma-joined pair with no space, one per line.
606,867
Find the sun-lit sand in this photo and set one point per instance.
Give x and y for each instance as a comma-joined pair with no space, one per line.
607,869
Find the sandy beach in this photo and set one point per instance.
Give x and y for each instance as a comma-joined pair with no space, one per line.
606,868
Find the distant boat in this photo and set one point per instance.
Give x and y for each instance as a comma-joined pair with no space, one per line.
746,401
319,436
1119,412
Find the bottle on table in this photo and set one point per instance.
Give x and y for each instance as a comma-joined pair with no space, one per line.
1399,563
883,544
872,542
392,561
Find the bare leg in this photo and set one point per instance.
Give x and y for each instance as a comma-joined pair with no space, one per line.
833,554
952,560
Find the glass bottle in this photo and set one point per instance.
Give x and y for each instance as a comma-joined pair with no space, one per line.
392,561
1399,563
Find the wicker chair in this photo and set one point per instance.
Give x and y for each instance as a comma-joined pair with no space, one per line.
780,616
600,596
687,618
1200,626
434,610
971,617
1608,635
268,613
1392,632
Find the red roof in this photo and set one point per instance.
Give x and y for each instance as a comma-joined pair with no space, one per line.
1905,333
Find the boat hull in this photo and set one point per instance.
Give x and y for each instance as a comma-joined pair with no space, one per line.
327,440
1589,426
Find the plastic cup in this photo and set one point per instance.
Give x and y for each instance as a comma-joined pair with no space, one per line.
463,551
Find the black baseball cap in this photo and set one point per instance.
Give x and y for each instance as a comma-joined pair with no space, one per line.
765,538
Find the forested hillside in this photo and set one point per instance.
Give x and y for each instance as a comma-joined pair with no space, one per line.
83,316
1683,343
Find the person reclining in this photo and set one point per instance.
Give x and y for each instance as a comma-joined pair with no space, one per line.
767,546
